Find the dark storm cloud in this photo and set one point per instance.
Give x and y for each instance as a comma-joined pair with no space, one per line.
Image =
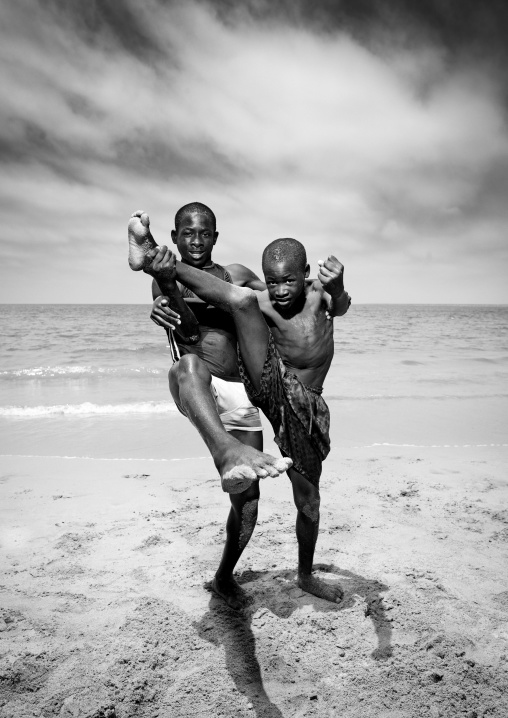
34,145
141,151
144,152
462,27
114,24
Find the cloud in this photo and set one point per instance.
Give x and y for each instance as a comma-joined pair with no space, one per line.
378,134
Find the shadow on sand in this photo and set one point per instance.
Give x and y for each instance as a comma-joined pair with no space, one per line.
223,626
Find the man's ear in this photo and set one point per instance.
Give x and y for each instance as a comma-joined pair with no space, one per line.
173,235
215,237
307,271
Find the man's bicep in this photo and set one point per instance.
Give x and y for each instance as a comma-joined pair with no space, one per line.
255,283
244,277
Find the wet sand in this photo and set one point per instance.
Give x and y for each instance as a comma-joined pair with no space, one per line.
106,611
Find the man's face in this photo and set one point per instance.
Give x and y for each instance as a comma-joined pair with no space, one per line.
195,239
285,282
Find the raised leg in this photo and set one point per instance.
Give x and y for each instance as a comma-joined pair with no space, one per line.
238,465
307,502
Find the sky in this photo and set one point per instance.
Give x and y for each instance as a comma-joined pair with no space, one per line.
376,132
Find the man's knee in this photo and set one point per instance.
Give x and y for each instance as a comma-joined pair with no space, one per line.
310,509
189,366
245,299
187,372
307,498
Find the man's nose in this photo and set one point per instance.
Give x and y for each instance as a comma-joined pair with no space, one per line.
281,290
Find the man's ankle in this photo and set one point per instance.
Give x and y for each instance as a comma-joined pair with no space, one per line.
223,577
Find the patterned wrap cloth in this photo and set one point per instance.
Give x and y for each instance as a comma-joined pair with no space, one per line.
298,414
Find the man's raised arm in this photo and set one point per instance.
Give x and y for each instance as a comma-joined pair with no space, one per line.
331,279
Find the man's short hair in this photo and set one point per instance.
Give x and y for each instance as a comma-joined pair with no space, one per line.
283,249
194,208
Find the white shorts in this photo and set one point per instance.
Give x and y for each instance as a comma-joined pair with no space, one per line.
235,409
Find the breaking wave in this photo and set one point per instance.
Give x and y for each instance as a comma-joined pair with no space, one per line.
87,409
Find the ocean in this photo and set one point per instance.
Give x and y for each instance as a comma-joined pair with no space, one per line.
91,380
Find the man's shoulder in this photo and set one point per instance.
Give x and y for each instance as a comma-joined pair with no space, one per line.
242,276
237,270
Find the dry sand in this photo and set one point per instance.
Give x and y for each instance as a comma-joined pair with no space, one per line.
105,609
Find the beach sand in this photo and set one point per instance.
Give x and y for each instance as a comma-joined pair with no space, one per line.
105,607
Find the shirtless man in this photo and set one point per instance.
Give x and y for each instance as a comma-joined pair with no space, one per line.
205,381
286,345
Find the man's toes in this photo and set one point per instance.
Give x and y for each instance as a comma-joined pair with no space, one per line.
145,219
261,473
138,213
272,471
283,464
336,594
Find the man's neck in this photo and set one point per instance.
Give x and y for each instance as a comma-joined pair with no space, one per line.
210,265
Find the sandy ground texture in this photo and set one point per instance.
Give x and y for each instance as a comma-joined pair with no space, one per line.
106,612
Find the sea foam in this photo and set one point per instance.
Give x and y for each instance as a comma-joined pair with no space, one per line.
87,408
73,371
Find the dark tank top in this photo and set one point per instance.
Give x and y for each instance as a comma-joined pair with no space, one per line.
217,336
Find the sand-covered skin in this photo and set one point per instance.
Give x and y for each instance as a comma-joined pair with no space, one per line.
105,609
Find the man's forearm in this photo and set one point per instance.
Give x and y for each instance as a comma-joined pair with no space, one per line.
340,304
188,329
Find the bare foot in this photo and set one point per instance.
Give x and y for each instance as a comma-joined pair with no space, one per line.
319,588
230,591
140,239
239,466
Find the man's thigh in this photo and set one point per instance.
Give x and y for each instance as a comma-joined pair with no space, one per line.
253,335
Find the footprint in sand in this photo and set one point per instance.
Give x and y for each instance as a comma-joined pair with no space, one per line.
75,542
500,536
151,541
